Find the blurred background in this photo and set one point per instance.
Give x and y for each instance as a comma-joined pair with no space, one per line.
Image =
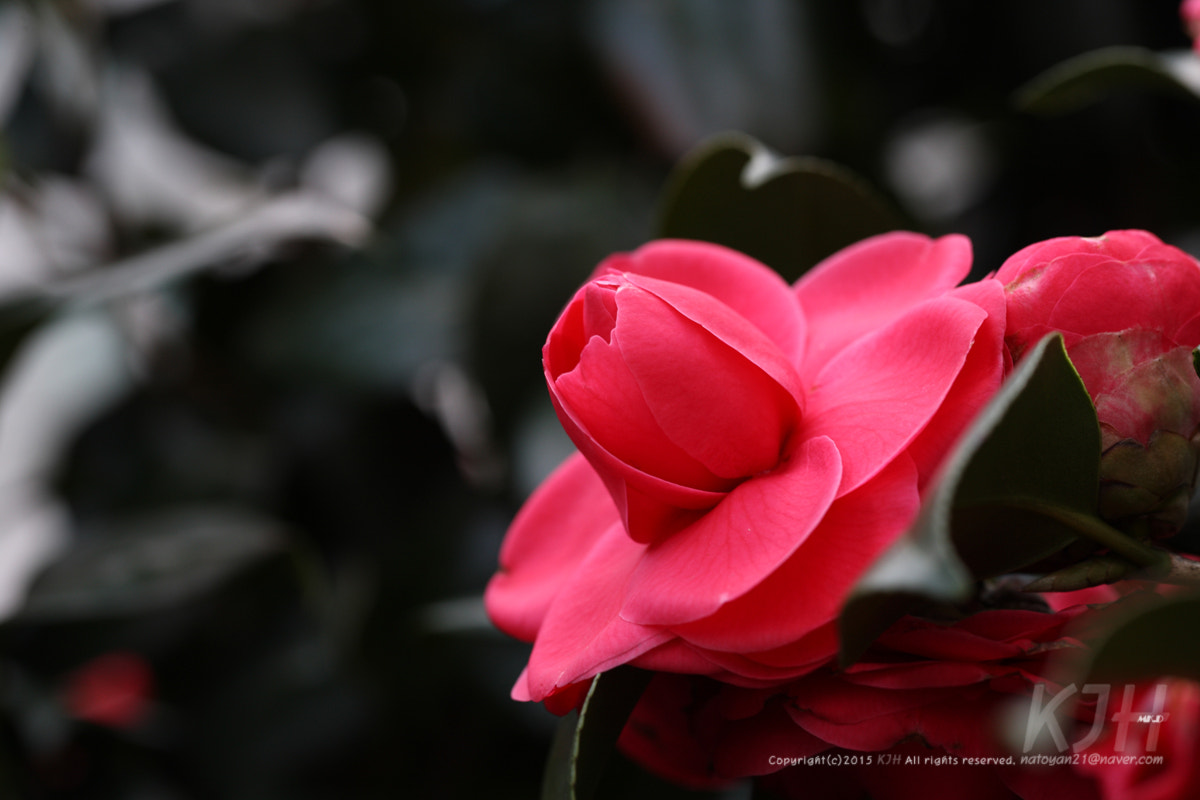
274,279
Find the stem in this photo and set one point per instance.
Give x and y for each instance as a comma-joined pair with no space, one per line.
1100,532
1159,565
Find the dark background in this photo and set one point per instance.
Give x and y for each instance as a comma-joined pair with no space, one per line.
280,474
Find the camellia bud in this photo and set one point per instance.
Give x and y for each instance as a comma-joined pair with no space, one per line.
1149,408
1128,307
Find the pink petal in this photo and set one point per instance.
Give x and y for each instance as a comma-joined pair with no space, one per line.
805,654
557,526
871,283
609,406
678,657
1095,595
672,399
1115,296
677,731
1070,254
1035,278
928,674
1082,285
1188,333
746,746
649,506
975,385
948,644
583,633
862,718
804,595
876,395
520,689
750,288
733,547
746,671
974,636
834,699
723,394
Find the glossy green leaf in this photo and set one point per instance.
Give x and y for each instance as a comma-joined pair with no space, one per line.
1087,78
586,737
788,213
1008,496
1150,642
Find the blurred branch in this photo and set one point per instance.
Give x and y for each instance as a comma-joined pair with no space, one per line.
288,217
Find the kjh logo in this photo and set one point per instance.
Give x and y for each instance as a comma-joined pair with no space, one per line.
1043,716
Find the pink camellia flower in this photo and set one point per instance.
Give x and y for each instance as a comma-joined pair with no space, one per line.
1128,307
746,450
1189,11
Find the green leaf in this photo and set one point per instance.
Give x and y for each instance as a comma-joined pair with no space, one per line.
150,562
789,213
1150,642
586,737
1196,361
1008,496
1087,78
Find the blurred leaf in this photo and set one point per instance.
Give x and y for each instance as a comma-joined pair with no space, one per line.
586,737
1087,78
17,48
789,213
1150,643
249,238
1003,500
19,316
151,562
1196,361
753,55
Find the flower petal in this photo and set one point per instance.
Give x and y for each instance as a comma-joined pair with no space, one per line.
803,596
718,389
747,286
871,283
583,633
733,547
876,395
649,506
1154,295
1189,333
975,385
1080,286
676,656
610,408
548,539
865,718
746,747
